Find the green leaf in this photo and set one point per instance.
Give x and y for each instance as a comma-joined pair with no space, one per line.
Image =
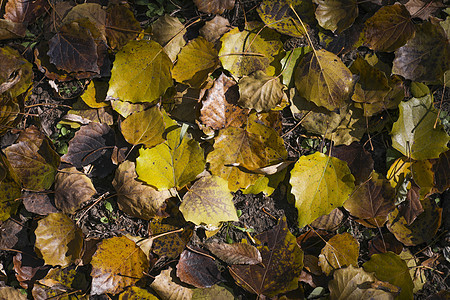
321,77
141,72
388,29
209,201
279,16
244,52
414,135
391,268
425,57
336,15
171,164
195,62
260,92
320,184
144,127
289,62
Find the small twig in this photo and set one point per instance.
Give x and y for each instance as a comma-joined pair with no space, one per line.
102,197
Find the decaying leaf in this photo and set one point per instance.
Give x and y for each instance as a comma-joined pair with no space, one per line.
244,52
391,268
59,241
260,92
425,56
389,28
197,269
274,276
135,292
141,72
215,292
209,201
72,189
215,28
320,183
341,250
168,31
10,190
214,6
16,73
121,26
236,253
136,198
441,172
167,286
321,77
336,15
117,263
8,292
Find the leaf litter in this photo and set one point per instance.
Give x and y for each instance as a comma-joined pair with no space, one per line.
188,162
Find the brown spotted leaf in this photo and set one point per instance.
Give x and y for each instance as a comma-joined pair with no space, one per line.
281,265
72,189
59,241
236,253
219,109
214,6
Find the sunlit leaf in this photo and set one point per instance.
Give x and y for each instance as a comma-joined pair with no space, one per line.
58,240
209,201
195,62
83,114
214,6
391,268
168,287
260,92
121,26
168,31
273,276
72,189
95,94
425,56
388,29
417,273
173,163
135,293
144,127
414,134
244,52
136,198
141,72
320,184
348,283
321,77
33,160
127,108
16,72
117,263
236,253
198,270
336,15
421,230
252,147
279,16
341,250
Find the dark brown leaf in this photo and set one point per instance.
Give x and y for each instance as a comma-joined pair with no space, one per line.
441,171
38,203
214,6
121,26
237,253
411,207
197,269
20,11
384,243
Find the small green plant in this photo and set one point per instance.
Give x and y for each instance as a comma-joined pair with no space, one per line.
62,137
229,225
157,8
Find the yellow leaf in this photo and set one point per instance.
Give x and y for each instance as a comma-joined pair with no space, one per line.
341,250
168,32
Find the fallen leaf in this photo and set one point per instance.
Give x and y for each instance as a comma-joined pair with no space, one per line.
219,109
414,134
141,72
195,62
412,207
279,16
424,57
25,12
260,92
388,29
289,63
215,292
173,163
13,65
415,269
391,268
117,263
121,26
274,276
441,172
28,268
10,190
321,77
320,184
127,108
336,15
93,12
144,127
95,93
11,30
168,31
59,241
37,203
244,52
134,197
423,9
135,292
214,6
8,292
351,283
198,270
215,28
341,250
236,253
383,243
10,234
72,189
169,288
330,221
10,112
209,201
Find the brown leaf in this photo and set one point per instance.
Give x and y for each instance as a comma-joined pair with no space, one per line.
214,6
167,286
384,243
197,269
358,159
341,250
26,268
441,171
423,9
235,254
219,109
12,235
214,29
121,26
26,12
11,30
73,49
330,221
38,203
411,207
72,189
